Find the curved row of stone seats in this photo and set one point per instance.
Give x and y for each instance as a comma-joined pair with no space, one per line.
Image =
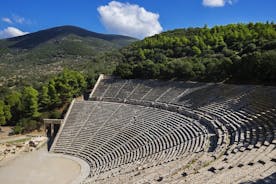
242,167
188,94
242,164
240,120
243,173
234,168
247,122
214,99
164,91
146,175
110,135
248,132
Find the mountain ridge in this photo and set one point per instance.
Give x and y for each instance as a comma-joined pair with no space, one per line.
32,40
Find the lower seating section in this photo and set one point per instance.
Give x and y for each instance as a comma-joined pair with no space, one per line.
148,131
111,135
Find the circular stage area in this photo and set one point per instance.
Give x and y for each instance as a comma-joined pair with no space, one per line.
39,167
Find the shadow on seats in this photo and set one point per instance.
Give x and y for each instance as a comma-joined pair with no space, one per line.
269,179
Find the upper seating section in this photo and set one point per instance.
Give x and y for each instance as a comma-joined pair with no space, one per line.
187,94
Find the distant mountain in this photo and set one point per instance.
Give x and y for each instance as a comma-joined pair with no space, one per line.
49,51
57,33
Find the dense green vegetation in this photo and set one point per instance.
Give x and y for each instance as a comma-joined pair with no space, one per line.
27,107
234,53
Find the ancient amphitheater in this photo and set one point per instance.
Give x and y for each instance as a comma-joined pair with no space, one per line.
149,131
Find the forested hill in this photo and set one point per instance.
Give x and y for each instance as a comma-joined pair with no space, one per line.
35,56
236,53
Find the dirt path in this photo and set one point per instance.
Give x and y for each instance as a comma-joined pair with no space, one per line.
12,138
39,167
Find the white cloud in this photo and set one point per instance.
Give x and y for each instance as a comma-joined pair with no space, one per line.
129,19
7,20
216,3
11,32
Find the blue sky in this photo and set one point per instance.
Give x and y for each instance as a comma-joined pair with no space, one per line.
135,18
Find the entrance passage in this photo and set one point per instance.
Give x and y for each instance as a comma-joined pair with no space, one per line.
51,129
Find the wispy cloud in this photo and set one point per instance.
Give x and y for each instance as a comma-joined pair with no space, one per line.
20,20
11,32
16,19
216,3
129,19
7,20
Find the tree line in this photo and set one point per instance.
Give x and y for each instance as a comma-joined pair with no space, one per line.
239,53
26,108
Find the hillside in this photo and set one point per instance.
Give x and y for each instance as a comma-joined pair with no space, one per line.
39,54
239,53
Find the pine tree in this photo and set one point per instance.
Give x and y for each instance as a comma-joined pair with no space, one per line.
30,102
